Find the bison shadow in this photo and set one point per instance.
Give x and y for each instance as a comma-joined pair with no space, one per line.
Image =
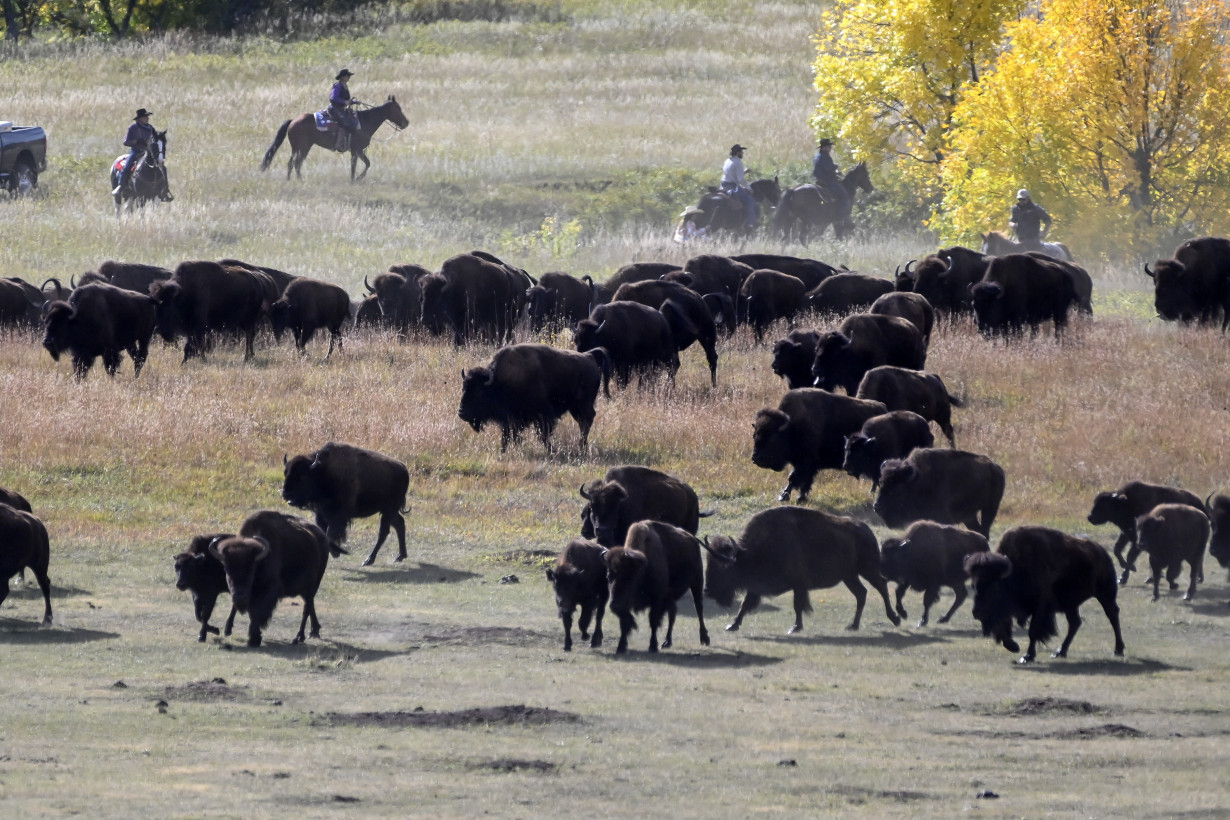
712,658
1111,667
26,632
422,574
328,652
886,638
1215,608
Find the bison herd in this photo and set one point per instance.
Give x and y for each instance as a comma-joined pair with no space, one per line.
858,399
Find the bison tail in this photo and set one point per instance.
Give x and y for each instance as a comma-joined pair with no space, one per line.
954,401
336,550
277,143
603,358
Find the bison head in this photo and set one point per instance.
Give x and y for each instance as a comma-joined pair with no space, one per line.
1219,516
585,336
792,360
169,317
721,575
904,280
833,353
863,458
432,307
994,599
280,317
59,321
542,304
898,502
606,500
892,559
1177,295
301,481
242,560
989,306
1112,508
478,402
770,445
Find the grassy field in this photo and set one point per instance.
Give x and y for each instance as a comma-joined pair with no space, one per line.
117,711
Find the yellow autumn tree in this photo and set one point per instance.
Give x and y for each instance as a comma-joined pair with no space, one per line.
890,73
1115,113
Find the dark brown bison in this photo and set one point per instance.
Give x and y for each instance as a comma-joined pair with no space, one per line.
1082,282
892,435
100,320
808,429
793,357
341,482
945,486
17,306
912,307
205,297
281,279
898,388
795,549
308,305
399,295
274,556
928,557
1172,534
15,500
602,293
1123,506
132,276
471,296
559,299
945,277
686,312
579,579
519,284
1019,290
656,564
1195,284
712,274
637,338
24,543
534,384
633,493
199,572
769,295
864,341
1218,508
810,271
847,292
1035,573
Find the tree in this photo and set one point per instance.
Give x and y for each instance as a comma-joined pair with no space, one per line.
1117,112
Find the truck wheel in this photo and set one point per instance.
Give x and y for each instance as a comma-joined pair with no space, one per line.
25,178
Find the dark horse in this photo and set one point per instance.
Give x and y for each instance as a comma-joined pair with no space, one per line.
724,212
148,179
304,134
804,209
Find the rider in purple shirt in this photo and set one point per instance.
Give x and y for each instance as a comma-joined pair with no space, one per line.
140,135
340,102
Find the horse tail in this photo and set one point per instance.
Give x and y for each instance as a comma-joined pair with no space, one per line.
277,143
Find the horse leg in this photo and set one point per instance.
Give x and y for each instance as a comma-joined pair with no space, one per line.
355,156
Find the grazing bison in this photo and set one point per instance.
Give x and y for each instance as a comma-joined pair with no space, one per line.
656,564
24,543
274,556
579,579
399,295
132,276
811,271
892,435
203,575
1218,508
1035,573
308,305
1172,534
945,486
930,556
204,297
600,294
844,293
685,311
100,320
795,549
341,482
559,299
793,357
900,389
769,295
1019,290
636,337
1195,284
944,278
807,429
534,384
633,493
1123,506
912,307
473,296
864,341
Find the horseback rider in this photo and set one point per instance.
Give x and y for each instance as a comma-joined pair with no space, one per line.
828,180
340,104
140,135
1030,221
734,183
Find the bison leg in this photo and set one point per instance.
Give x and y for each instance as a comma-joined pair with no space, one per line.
44,584
930,596
139,353
860,597
566,617
1195,572
670,627
398,524
1129,564
901,590
626,624
230,622
802,603
750,602
111,361
1124,539
1073,616
587,613
959,590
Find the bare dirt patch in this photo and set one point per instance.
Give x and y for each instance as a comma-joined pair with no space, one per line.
1036,707
207,691
483,635
519,715
529,558
509,764
1097,732
859,795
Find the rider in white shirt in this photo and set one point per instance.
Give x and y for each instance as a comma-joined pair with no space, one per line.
734,182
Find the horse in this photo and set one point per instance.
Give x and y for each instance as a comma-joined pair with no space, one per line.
148,179
303,134
724,212
804,208
998,243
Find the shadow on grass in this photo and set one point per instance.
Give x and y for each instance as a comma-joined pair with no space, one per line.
1215,608
29,591
20,631
1111,667
324,652
891,640
711,658
422,574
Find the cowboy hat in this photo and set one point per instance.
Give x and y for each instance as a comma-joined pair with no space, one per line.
690,211
825,142
737,147
345,72
141,112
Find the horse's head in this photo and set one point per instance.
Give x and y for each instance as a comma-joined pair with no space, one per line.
156,154
858,177
394,113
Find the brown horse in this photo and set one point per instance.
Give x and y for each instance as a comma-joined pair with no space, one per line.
804,208
303,134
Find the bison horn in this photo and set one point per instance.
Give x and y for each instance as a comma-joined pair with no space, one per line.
1208,508
285,461
907,266
213,548
266,549
1149,273
584,494
947,263
72,282
370,289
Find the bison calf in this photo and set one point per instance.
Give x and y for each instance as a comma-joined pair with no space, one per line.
199,572
792,548
24,543
930,556
579,579
1123,506
1172,534
884,437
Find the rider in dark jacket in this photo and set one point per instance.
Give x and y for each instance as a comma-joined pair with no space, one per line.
1029,219
828,178
140,135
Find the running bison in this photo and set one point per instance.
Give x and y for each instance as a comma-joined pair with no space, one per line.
928,557
308,305
1123,506
24,543
341,482
579,579
633,493
892,435
656,564
200,573
945,486
795,549
1035,573
898,388
636,337
100,320
1173,534
534,384
793,357
864,341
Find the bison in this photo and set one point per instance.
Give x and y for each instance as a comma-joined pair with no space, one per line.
636,337
473,296
579,579
341,482
308,305
912,307
793,357
1172,534
1218,508
100,320
685,311
1123,506
399,294
796,549
601,294
923,393
534,384
892,435
204,297
24,543
1019,290
843,293
1195,284
864,341
657,563
1035,573
811,271
199,572
558,299
132,276
18,306
768,295
15,500
808,429
945,277
945,486
930,556
633,493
